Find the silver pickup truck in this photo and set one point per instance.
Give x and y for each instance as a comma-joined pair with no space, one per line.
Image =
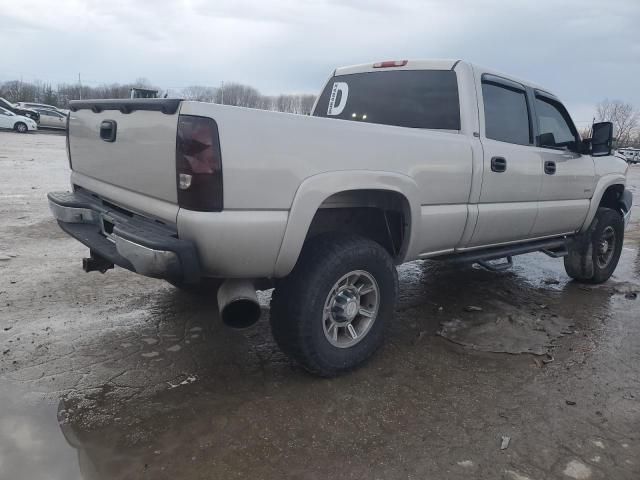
399,161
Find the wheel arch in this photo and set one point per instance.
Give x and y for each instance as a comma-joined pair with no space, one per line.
325,189
608,192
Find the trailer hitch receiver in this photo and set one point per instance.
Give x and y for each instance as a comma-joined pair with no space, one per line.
96,263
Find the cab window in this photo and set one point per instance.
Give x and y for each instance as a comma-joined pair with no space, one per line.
555,129
506,114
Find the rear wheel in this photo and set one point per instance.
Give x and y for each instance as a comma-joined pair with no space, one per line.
21,127
329,314
594,255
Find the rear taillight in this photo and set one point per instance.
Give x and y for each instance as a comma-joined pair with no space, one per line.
68,147
390,63
198,164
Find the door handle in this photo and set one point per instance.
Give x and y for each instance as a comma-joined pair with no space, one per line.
549,167
498,164
108,129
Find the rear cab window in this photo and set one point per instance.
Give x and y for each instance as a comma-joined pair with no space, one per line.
506,113
404,98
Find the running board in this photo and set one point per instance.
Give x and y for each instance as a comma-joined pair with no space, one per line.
496,267
555,247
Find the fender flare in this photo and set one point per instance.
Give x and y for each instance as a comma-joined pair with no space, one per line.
602,185
314,190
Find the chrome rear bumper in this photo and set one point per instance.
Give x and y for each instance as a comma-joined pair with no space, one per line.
125,239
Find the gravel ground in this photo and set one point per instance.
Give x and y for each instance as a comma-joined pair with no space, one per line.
117,376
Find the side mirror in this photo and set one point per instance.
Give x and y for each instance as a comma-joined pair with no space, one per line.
601,139
547,140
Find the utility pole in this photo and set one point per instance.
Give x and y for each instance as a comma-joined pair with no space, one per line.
222,91
80,84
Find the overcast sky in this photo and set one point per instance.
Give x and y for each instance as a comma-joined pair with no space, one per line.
582,50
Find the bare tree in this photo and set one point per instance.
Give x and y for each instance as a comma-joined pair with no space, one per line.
234,94
239,95
623,116
200,93
585,132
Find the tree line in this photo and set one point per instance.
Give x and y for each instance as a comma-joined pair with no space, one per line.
625,117
236,94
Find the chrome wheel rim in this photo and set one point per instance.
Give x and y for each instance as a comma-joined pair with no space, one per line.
22,128
606,246
351,309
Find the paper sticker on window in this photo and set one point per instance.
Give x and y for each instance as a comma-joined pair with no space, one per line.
338,99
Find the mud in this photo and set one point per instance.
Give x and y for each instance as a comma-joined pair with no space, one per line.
118,376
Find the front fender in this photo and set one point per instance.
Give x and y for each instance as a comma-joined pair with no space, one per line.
601,187
316,189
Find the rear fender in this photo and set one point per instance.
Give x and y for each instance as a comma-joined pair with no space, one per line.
316,189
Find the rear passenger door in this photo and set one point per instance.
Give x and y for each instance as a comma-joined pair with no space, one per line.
512,173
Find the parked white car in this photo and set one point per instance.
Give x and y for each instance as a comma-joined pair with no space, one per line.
16,122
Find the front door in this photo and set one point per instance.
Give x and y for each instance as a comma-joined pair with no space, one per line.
511,178
569,177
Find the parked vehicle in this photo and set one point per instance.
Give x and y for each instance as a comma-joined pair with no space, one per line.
631,155
40,106
399,161
52,119
15,122
25,112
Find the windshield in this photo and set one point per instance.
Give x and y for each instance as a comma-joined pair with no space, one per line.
407,98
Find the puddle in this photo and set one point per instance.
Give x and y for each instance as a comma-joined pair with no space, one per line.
32,445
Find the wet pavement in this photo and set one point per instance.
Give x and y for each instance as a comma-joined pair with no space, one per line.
119,376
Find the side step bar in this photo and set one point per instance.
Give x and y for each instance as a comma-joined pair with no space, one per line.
555,247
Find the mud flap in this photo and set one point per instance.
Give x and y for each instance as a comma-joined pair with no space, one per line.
580,257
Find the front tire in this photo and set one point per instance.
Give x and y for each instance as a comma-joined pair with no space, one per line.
594,255
21,127
330,313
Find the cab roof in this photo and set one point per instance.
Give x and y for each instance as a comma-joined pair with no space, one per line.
431,64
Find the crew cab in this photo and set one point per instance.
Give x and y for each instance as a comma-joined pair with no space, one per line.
400,160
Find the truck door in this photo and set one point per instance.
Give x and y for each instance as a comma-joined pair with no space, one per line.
568,177
511,176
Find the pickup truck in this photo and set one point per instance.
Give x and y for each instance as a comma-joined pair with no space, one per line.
401,160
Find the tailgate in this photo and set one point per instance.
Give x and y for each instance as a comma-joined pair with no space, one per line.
127,143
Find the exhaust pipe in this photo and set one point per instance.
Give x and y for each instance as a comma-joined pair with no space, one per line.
238,303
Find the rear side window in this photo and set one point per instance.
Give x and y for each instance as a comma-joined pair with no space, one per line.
506,114
409,98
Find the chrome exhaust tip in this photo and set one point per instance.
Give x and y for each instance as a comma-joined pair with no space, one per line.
238,303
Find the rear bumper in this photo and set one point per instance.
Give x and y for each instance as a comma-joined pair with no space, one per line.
126,239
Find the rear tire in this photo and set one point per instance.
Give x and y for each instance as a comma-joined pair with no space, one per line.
21,127
594,255
330,313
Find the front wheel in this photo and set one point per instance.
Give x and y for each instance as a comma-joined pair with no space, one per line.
593,255
329,314
21,127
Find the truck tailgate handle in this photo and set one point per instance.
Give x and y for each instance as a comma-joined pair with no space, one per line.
108,130
498,164
549,167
